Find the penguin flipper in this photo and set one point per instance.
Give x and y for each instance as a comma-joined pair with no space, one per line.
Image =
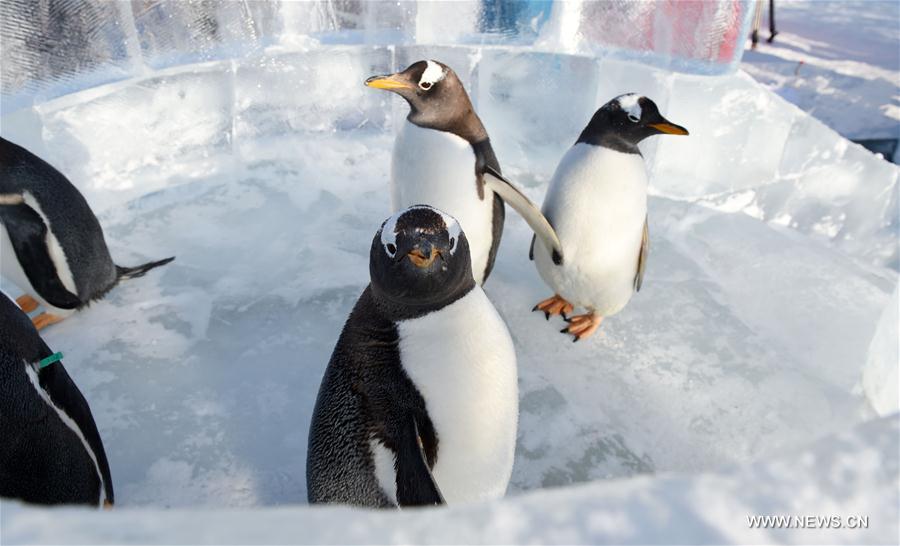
642,257
415,484
28,234
532,215
531,248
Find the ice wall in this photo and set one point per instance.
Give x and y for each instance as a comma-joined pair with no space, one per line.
53,48
849,476
749,150
881,376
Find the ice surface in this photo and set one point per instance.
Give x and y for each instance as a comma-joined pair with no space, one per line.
266,178
692,36
848,476
881,376
53,48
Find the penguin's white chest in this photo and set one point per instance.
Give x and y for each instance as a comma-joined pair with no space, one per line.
462,361
437,168
597,203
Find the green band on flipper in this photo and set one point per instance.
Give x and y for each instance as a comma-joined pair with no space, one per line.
44,362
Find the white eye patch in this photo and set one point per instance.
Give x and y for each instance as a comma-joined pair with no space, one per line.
389,233
629,103
433,74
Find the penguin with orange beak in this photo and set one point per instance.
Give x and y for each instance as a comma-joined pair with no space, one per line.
443,157
597,204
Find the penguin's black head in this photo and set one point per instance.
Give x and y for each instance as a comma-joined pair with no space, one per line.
436,97
626,120
420,261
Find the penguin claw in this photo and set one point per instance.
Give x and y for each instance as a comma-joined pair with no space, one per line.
582,326
554,305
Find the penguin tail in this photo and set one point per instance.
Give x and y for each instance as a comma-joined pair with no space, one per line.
125,273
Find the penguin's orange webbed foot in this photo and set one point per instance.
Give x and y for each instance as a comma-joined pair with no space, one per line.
582,326
27,303
554,305
45,319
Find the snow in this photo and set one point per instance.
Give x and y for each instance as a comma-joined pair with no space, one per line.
743,379
847,476
837,60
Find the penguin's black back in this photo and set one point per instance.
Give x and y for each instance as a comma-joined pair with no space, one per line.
42,460
73,223
365,394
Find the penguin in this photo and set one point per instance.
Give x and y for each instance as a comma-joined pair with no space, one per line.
51,244
443,157
419,402
51,451
597,203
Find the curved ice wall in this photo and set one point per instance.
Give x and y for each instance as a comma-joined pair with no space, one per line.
53,47
215,76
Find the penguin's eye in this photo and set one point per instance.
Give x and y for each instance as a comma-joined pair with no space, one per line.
633,118
425,85
452,244
391,249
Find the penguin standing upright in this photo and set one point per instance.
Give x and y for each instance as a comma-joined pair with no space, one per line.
419,403
51,452
443,157
51,244
597,203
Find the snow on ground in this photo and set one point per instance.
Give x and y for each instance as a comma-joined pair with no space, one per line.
266,178
837,60
833,483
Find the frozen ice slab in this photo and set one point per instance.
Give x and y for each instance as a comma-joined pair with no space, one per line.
54,48
881,376
712,508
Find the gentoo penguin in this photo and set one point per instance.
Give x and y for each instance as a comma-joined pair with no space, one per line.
51,452
419,403
443,157
597,203
51,244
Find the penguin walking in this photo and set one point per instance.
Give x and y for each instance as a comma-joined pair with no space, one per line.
51,244
597,203
443,157
51,451
419,403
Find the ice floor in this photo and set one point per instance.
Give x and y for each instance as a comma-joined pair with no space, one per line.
747,342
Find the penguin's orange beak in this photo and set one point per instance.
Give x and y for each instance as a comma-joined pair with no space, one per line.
418,258
389,82
669,128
